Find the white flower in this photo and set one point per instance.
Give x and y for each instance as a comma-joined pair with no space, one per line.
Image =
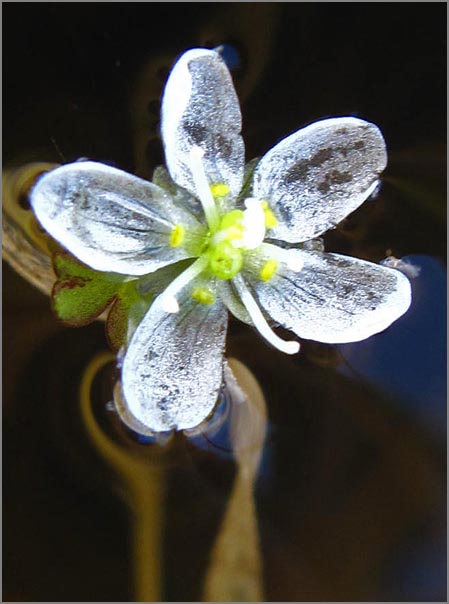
243,259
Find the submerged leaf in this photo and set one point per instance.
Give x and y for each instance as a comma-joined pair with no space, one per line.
235,568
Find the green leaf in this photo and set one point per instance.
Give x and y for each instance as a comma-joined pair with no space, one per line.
81,294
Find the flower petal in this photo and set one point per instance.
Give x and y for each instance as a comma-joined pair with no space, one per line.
317,176
110,220
180,196
173,369
127,418
200,109
334,298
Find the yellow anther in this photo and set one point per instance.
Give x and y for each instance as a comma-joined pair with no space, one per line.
203,295
270,218
234,232
268,269
177,235
231,227
231,219
220,189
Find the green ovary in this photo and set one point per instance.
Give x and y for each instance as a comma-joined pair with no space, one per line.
225,261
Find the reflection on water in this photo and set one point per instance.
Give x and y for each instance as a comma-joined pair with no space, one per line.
349,497
349,484
409,361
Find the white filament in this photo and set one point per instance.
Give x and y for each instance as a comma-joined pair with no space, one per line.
168,297
202,187
259,321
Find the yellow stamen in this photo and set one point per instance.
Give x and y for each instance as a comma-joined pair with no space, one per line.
268,269
270,218
233,218
203,295
220,189
177,235
234,232
231,227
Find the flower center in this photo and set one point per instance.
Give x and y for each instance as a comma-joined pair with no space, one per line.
222,250
238,230
225,261
232,234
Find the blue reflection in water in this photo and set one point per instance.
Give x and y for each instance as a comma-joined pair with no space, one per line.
418,572
408,360
230,55
215,435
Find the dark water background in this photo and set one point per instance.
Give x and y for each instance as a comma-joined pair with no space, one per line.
352,494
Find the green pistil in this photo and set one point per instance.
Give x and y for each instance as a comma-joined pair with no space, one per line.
225,261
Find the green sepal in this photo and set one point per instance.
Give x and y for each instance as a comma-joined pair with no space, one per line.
247,186
162,179
133,300
81,294
127,310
